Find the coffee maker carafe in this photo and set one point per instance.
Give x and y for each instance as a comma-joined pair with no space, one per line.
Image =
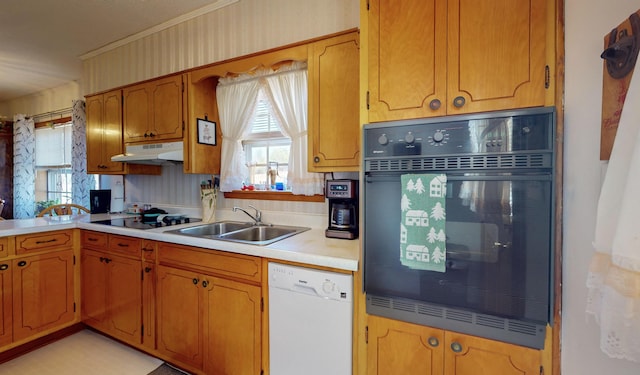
343,208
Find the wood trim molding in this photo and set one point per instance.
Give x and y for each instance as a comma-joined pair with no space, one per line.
273,196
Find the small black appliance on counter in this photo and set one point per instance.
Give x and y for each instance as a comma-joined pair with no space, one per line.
343,209
100,201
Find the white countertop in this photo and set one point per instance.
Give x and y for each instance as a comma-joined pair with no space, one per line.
310,247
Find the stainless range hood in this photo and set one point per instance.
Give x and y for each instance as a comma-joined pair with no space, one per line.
154,153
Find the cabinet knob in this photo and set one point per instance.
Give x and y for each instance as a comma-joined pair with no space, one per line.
433,341
107,260
456,347
435,104
458,102
195,281
4,267
205,283
316,159
22,263
147,269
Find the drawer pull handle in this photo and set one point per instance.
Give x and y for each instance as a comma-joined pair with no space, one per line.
46,241
147,249
456,347
123,244
92,239
4,267
22,263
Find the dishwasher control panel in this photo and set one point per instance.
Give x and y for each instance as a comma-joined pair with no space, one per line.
325,284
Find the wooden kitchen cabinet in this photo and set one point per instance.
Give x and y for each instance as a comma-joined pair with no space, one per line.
43,292
334,123
152,111
205,320
445,57
111,285
104,136
104,132
6,293
396,347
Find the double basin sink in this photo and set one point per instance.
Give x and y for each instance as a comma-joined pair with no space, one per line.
250,233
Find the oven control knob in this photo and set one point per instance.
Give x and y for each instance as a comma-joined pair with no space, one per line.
383,140
438,136
409,138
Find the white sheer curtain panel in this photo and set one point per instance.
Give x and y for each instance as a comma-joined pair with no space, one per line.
287,92
237,99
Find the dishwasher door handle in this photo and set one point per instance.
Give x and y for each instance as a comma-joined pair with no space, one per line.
305,289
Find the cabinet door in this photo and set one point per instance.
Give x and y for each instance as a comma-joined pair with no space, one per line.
496,55
136,113
6,289
407,59
396,347
43,292
104,132
465,355
94,284
166,109
149,305
234,332
334,124
124,298
180,315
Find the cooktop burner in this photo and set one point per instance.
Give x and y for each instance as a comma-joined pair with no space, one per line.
138,223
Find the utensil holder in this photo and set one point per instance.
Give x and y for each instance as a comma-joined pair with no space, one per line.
208,198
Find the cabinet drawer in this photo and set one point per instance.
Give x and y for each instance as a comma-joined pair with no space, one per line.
4,247
43,241
125,245
211,261
94,240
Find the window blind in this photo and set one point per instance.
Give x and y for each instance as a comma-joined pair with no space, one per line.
53,146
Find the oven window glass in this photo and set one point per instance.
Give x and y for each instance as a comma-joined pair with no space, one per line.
498,246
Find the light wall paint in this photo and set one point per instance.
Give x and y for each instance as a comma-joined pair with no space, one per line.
50,100
587,22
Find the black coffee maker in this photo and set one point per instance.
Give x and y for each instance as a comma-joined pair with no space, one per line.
343,209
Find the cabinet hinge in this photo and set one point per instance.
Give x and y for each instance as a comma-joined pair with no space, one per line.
142,330
261,304
74,260
142,275
367,100
541,370
74,307
547,76
182,86
367,4
366,334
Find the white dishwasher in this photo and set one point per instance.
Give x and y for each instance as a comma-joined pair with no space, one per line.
310,321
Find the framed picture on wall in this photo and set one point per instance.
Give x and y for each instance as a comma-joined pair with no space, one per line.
206,132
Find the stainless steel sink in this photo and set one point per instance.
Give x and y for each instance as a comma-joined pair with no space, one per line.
241,232
212,229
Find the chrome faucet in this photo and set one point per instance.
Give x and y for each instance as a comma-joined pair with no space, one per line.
257,219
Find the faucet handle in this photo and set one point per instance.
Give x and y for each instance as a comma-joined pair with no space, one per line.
258,214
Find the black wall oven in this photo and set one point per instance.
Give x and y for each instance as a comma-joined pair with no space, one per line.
498,279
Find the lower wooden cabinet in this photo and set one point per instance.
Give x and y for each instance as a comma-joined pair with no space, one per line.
6,303
395,347
112,294
205,319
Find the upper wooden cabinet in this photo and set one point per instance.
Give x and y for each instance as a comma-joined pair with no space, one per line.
104,132
153,110
438,57
334,125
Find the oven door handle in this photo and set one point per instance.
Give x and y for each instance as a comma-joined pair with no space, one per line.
475,177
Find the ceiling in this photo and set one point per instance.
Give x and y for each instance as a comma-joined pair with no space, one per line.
42,40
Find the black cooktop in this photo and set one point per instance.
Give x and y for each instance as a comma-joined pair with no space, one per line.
136,222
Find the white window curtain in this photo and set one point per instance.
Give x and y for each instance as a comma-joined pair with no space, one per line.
24,177
287,92
237,99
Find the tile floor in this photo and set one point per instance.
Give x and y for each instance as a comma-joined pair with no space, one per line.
83,353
